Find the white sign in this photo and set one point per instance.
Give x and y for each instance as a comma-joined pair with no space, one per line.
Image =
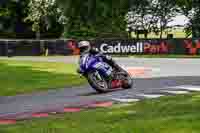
134,48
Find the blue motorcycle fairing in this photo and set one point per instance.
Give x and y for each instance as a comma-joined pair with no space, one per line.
89,62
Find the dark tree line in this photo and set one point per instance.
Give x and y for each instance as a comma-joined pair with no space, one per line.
92,18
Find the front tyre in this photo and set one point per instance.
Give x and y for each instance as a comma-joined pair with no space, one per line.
97,82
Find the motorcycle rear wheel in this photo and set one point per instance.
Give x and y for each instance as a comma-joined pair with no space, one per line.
127,82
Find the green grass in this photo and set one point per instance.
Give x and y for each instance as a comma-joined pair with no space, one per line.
19,77
166,56
174,114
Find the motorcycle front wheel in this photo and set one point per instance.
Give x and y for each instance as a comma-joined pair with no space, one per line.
97,82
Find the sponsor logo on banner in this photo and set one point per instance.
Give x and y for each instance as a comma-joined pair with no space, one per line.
138,47
192,47
161,47
73,46
106,48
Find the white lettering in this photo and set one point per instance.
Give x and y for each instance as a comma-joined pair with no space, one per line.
117,48
110,49
141,48
125,49
102,47
135,48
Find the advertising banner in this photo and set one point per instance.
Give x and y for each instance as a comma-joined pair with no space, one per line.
133,46
192,46
107,46
154,46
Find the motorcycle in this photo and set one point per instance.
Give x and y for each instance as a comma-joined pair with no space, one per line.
101,76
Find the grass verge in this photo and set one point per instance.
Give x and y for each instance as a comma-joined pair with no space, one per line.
173,114
19,77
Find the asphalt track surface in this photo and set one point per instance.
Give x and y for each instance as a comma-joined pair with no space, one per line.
153,78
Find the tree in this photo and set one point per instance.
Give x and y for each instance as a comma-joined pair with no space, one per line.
166,10
142,17
44,15
5,16
8,16
185,6
152,16
189,25
12,14
94,17
195,19
187,9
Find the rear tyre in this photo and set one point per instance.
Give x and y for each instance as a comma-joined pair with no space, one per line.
127,82
97,82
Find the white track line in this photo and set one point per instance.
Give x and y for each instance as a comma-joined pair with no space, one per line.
176,92
189,87
125,100
150,95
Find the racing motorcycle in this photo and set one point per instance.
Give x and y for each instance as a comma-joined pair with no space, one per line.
101,76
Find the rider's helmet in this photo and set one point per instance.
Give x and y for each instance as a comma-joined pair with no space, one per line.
84,46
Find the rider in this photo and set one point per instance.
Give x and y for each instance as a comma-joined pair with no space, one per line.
85,48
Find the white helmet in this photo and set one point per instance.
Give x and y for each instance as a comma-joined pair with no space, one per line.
84,46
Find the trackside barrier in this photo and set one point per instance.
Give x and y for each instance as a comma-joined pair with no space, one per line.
108,46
